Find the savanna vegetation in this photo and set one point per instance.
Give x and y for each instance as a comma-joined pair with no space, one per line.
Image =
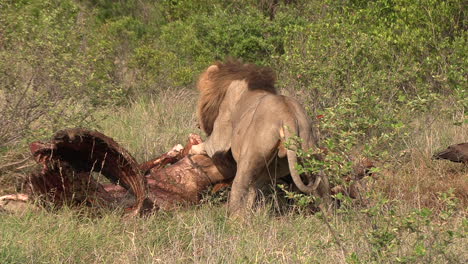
383,79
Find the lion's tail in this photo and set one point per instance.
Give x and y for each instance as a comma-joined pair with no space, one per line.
291,130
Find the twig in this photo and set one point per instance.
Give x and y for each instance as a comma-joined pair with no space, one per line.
14,163
25,166
344,253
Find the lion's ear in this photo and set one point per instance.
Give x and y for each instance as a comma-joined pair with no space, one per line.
213,68
205,82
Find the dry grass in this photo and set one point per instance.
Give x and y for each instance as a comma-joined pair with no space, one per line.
418,179
151,126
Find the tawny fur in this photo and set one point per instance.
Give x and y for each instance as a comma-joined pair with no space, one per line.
241,112
214,82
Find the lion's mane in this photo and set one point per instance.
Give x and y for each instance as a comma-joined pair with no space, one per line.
216,80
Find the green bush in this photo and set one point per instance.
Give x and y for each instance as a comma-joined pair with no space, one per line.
368,67
187,46
41,69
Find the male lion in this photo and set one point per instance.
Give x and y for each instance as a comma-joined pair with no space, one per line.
240,110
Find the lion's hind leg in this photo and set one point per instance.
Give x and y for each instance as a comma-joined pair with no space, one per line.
248,181
239,196
255,174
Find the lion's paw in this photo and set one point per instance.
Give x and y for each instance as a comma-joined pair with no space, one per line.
198,149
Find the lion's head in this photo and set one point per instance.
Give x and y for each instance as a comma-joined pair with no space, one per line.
216,79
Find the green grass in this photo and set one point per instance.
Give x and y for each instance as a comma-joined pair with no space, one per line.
206,235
